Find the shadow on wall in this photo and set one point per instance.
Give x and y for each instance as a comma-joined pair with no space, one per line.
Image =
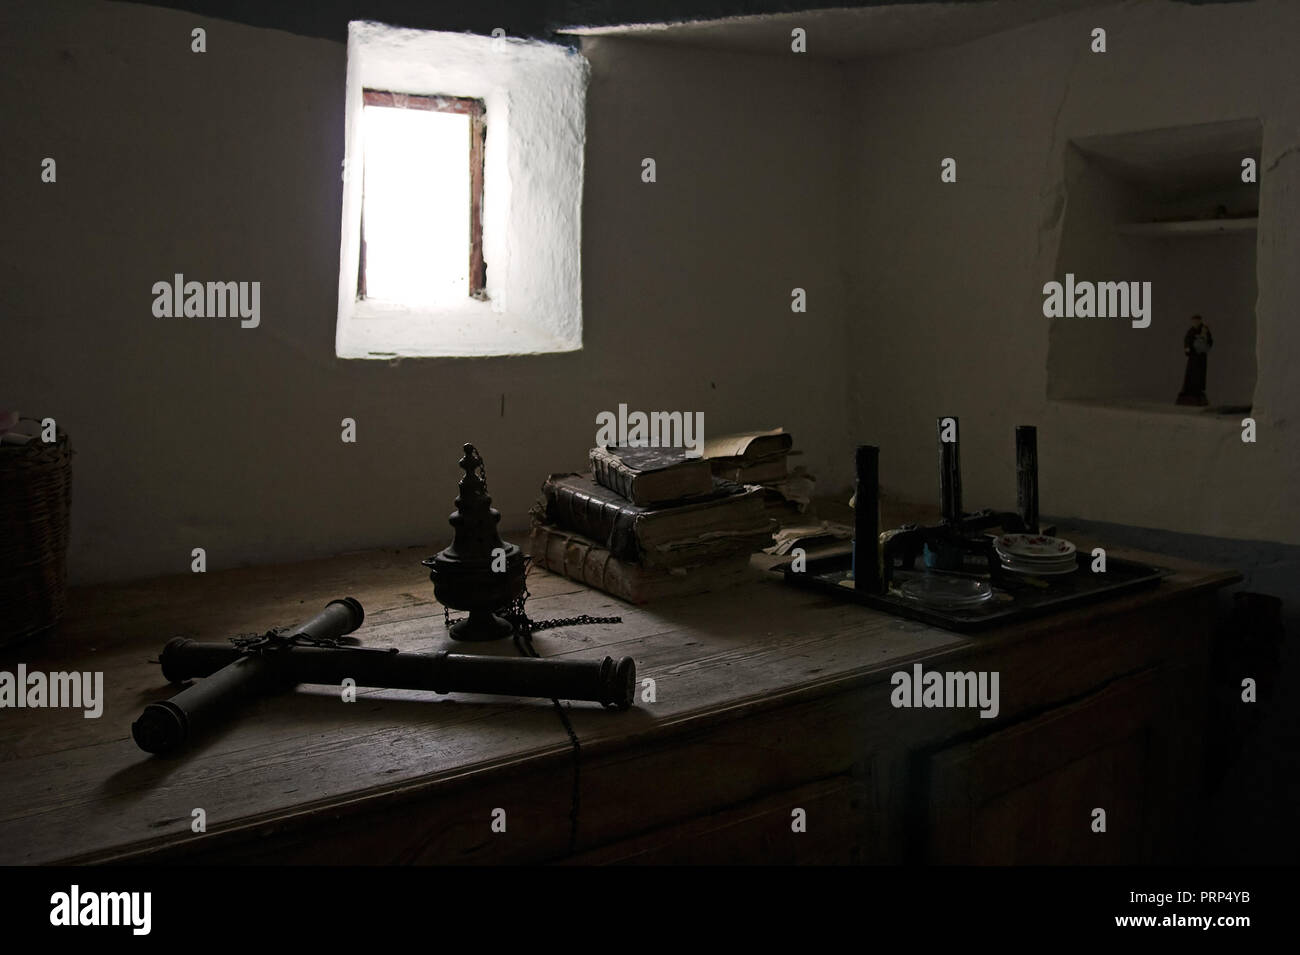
1252,749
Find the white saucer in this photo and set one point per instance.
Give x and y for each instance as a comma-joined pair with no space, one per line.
1067,561
1034,547
1038,570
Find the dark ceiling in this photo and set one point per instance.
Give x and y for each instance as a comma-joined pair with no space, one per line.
540,18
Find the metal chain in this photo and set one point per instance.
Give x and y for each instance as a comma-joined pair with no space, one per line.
524,628
275,639
524,624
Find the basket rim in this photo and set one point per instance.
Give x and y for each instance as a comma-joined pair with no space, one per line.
36,446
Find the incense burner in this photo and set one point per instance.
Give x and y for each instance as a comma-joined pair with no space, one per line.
479,572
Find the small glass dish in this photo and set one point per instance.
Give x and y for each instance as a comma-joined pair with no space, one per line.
948,592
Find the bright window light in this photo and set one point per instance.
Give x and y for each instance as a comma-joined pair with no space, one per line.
420,275
416,205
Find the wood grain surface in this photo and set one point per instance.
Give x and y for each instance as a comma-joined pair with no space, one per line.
747,681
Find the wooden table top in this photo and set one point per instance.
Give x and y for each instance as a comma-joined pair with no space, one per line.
79,790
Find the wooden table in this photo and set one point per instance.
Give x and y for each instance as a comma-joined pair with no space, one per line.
767,700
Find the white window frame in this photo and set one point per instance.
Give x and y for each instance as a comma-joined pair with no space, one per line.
535,98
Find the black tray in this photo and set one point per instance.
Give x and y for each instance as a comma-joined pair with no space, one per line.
1015,597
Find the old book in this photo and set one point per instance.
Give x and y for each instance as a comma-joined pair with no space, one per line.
650,476
750,445
584,560
791,495
752,457
731,520
761,472
809,535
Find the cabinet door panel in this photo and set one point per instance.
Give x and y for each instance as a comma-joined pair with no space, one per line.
1026,794
834,831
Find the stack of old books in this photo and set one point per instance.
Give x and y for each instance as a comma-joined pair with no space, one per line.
761,458
647,523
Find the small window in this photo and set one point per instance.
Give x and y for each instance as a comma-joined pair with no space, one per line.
460,238
422,199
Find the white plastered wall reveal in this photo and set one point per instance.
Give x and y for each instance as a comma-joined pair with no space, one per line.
535,99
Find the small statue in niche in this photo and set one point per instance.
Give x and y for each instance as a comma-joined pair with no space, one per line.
1196,346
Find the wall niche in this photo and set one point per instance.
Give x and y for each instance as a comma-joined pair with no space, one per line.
1170,207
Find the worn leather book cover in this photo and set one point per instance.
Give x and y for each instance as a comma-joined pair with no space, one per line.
579,558
730,520
651,476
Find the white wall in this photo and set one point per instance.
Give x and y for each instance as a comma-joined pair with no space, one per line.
1107,358
945,303
226,166
773,172
1213,276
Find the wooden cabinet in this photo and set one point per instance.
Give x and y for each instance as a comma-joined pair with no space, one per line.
764,831
1035,791
768,700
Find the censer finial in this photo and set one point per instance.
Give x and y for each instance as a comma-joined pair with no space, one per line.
479,572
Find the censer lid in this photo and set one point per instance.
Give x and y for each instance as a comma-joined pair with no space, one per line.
475,519
479,572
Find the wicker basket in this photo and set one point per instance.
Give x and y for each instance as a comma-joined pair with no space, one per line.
35,498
